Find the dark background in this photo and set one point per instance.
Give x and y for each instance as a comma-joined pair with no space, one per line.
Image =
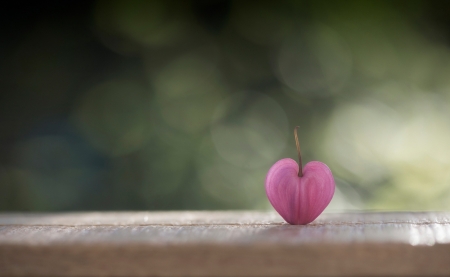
163,105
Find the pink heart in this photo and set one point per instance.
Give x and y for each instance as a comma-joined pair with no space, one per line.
299,200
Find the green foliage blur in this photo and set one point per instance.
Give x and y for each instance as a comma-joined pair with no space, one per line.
166,105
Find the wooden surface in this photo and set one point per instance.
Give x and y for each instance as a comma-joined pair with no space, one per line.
223,244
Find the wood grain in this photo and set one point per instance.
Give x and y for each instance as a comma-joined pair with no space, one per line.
223,244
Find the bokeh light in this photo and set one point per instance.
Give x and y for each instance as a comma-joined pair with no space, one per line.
167,105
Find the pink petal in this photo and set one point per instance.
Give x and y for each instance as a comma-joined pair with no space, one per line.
299,200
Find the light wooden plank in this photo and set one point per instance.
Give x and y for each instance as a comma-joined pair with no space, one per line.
223,244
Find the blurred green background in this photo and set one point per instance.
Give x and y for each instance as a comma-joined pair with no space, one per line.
163,105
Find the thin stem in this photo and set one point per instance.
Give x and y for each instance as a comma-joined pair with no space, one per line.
300,166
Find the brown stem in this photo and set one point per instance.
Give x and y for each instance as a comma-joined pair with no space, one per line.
300,166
